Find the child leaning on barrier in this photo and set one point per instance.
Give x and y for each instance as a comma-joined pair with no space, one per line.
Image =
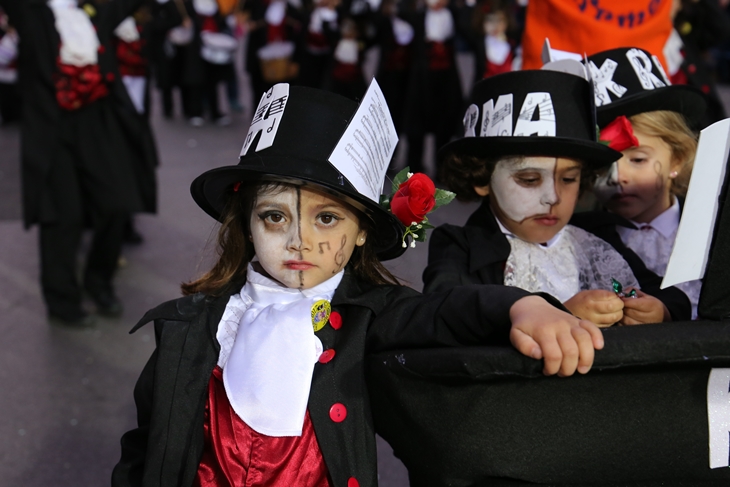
258,376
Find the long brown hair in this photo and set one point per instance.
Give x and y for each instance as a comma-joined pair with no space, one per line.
235,250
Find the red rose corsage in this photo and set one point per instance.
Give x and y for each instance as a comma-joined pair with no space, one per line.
414,196
619,135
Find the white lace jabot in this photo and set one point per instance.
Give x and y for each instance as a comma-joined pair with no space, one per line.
573,261
268,352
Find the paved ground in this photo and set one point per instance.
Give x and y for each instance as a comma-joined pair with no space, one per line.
66,394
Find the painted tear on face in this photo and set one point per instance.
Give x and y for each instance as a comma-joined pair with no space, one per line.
524,187
607,185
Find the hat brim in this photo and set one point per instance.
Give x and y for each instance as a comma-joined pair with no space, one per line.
593,154
210,190
683,99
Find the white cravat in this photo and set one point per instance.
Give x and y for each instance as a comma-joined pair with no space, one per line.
439,25
268,352
79,42
127,30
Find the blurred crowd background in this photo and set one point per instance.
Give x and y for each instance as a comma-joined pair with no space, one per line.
424,53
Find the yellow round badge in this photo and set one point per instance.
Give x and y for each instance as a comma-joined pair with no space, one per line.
320,314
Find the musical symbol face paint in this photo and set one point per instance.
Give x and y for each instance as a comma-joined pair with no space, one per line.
303,237
638,186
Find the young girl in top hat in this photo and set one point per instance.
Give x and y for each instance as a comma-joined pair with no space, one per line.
258,377
648,120
530,142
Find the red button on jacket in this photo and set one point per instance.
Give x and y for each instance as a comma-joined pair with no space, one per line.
336,320
338,412
352,482
327,355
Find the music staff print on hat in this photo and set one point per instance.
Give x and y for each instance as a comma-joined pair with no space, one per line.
532,113
628,81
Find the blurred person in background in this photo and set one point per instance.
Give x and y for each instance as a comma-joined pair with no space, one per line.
433,99
699,25
9,93
85,156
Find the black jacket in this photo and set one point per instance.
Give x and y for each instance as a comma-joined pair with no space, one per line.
42,115
166,447
476,254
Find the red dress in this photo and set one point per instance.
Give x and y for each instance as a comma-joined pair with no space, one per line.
237,456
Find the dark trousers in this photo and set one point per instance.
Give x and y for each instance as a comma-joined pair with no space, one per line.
76,191
438,116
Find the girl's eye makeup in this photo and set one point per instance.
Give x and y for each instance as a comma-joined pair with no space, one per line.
328,219
272,217
528,180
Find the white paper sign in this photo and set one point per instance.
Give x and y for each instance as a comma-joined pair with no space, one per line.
718,417
363,153
267,117
673,52
694,236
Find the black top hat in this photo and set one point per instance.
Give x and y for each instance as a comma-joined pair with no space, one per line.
629,81
532,113
292,135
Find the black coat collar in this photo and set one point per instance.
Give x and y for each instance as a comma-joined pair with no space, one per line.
489,245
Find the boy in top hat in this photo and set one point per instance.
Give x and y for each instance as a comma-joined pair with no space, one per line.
258,377
646,118
529,144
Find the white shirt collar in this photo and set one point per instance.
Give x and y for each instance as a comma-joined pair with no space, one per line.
665,223
546,245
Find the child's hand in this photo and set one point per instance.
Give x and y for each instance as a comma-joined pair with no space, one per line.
542,331
644,309
601,307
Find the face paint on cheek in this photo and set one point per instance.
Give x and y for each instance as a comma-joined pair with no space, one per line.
340,256
519,202
659,176
322,245
299,233
275,243
607,185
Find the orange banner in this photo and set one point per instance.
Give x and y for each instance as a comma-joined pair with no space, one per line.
591,26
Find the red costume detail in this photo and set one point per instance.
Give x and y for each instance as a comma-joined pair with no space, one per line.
317,42
130,58
237,456
619,134
275,33
439,56
209,24
491,69
336,320
397,59
679,78
327,356
346,72
78,86
338,412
